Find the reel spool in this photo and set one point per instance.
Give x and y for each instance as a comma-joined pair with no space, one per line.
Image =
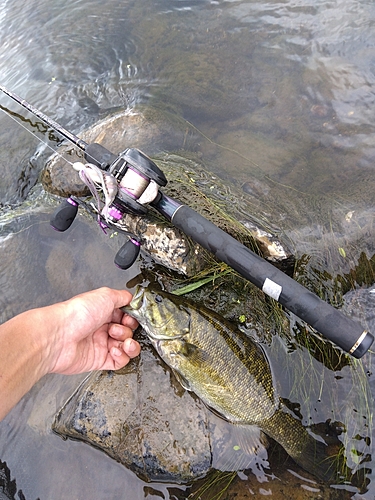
139,179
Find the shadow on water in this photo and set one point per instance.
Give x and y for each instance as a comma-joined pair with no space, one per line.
277,100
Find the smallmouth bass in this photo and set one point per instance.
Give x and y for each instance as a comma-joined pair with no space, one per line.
229,372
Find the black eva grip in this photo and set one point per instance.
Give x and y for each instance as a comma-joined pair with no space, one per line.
327,320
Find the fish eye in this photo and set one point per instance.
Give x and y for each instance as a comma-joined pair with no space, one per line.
158,298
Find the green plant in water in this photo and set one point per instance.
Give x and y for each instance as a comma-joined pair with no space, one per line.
339,384
214,487
197,284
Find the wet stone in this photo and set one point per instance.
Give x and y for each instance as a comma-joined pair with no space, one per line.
63,181
188,182
166,244
134,416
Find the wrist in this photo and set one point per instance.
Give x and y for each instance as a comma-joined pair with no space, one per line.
24,355
48,335
42,337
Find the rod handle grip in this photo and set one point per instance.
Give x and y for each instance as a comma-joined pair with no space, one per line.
330,322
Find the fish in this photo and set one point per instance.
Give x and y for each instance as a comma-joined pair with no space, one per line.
230,372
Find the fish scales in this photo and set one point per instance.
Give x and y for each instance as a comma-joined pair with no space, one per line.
242,372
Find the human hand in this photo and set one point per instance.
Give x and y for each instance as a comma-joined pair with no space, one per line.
90,332
87,332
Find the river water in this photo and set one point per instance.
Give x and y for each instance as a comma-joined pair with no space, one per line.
276,98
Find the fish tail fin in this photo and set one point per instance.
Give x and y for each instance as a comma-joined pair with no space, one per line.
323,461
326,461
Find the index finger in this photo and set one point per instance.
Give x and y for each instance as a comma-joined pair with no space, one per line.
124,319
129,321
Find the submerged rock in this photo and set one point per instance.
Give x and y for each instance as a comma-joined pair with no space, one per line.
132,415
188,182
141,417
8,487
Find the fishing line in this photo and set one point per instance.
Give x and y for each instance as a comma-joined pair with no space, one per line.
11,234
89,207
9,113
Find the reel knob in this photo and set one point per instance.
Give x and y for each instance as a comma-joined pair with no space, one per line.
128,254
64,215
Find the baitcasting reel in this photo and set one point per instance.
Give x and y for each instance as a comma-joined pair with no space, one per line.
128,182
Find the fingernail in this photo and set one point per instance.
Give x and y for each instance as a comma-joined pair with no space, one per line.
132,346
116,351
116,331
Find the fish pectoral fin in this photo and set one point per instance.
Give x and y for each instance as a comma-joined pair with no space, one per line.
196,355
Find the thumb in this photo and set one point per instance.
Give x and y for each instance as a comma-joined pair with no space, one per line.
120,298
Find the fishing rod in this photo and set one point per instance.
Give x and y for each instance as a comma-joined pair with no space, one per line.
130,182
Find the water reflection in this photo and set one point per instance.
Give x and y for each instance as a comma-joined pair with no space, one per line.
333,46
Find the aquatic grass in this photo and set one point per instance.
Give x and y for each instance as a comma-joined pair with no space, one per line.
214,205
336,385
216,485
243,300
197,284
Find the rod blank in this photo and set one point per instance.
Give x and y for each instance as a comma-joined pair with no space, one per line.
56,126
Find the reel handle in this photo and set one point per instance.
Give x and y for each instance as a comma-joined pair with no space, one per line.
128,254
64,215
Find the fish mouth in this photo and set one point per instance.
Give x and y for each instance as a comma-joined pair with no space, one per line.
136,302
137,308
